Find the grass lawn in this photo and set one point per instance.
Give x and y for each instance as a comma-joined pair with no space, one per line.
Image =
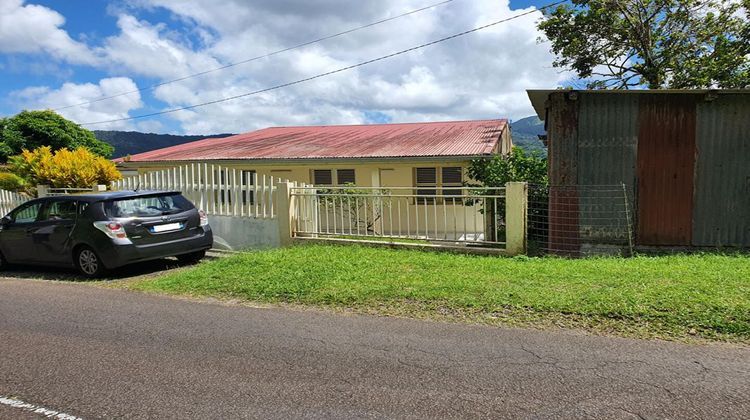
674,297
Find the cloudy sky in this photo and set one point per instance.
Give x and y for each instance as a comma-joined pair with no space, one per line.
55,54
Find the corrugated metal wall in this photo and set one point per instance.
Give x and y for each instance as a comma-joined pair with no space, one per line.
562,123
607,149
722,187
666,164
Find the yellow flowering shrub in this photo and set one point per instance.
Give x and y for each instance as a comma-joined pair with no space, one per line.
77,168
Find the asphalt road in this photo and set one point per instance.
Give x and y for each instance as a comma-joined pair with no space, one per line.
93,352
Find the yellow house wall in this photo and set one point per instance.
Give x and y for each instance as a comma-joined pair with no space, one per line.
444,220
368,174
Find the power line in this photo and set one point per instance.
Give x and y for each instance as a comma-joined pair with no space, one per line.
339,70
271,54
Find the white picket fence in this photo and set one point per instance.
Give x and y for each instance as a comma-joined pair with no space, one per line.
215,189
10,200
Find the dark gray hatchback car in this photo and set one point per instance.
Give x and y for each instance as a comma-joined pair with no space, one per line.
99,232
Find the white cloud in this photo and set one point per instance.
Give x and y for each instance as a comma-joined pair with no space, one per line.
482,75
37,29
146,49
150,126
42,97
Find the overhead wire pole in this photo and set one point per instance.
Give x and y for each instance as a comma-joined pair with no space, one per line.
271,54
318,76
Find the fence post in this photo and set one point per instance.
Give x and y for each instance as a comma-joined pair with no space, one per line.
284,212
516,205
42,190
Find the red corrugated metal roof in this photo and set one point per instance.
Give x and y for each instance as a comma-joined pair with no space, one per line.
452,138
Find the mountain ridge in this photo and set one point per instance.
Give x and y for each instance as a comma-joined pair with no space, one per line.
134,142
526,133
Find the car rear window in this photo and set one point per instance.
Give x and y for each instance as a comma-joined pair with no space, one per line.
147,206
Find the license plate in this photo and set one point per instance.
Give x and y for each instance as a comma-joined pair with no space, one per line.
166,228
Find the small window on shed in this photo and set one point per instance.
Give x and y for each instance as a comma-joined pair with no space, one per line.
345,176
322,177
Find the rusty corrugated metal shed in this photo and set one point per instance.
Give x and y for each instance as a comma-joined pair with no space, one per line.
691,186
436,139
722,189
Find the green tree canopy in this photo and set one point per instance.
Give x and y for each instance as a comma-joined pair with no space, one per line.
517,166
678,44
33,129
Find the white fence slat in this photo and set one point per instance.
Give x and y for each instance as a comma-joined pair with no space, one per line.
255,194
235,191
263,194
270,196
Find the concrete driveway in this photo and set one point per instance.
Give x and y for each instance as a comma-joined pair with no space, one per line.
92,352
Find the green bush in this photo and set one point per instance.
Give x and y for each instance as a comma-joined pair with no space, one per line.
11,182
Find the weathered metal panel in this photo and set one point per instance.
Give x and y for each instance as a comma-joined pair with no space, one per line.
666,161
722,187
607,150
562,132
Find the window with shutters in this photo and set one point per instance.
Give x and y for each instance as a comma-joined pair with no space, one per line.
345,176
452,178
327,177
426,183
322,177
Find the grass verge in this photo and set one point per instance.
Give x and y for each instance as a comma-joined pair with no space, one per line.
672,297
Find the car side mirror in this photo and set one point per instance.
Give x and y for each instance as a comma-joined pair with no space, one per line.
5,221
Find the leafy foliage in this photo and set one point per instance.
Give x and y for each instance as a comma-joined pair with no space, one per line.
677,44
11,182
64,168
518,166
33,129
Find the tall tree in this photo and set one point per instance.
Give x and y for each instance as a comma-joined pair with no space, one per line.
33,129
678,44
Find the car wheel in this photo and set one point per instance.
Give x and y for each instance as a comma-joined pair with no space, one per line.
192,257
88,263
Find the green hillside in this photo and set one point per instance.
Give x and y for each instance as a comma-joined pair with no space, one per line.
133,142
525,134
